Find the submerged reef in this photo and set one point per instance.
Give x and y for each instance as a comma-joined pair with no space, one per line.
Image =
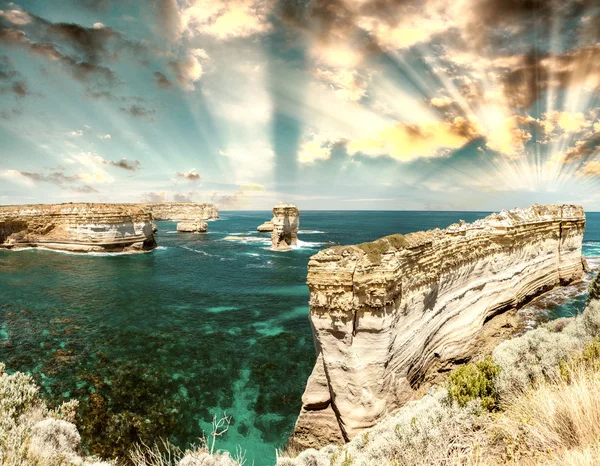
388,315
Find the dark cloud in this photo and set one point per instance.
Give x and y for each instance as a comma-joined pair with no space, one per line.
12,81
190,176
538,72
125,164
138,111
585,148
161,80
59,179
79,70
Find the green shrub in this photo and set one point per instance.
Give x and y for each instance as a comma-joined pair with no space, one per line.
475,381
588,360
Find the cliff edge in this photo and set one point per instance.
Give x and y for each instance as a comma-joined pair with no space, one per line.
77,227
182,211
386,314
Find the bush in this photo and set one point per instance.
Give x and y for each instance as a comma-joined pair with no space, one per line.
594,289
475,381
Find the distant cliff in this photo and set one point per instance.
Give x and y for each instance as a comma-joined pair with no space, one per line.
77,227
388,313
178,211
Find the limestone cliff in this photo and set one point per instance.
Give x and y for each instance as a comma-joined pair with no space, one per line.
265,227
178,211
286,220
77,227
387,314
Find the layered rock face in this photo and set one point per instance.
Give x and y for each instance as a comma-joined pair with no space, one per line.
77,227
286,220
179,211
265,227
192,227
387,315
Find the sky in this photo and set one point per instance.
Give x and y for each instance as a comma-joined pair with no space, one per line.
327,104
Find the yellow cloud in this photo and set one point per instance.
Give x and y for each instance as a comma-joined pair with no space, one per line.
407,142
591,168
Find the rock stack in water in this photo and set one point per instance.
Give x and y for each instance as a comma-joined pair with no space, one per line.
192,227
387,315
286,220
77,227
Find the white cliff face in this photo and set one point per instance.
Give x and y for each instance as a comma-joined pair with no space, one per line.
286,221
388,313
180,211
77,227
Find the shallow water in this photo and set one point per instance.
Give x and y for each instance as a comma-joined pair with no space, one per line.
162,341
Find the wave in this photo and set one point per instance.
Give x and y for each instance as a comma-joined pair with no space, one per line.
87,254
199,251
311,232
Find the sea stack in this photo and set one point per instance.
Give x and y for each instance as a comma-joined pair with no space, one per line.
77,227
286,220
388,315
192,227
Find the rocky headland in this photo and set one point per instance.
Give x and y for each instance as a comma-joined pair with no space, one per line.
388,315
286,221
182,211
77,227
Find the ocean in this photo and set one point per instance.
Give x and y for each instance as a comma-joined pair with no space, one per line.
155,345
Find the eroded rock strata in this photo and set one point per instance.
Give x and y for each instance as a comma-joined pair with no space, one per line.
180,211
192,227
387,314
265,227
77,227
286,221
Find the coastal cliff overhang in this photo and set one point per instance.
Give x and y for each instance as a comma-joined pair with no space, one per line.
387,313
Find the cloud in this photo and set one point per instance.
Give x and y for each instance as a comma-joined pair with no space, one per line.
154,197
407,142
138,111
189,70
590,169
57,178
105,137
347,84
191,176
79,70
252,187
584,148
185,197
318,146
226,19
161,80
168,19
16,17
125,164
11,80
76,133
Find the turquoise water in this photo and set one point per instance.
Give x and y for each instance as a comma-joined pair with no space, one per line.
154,345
